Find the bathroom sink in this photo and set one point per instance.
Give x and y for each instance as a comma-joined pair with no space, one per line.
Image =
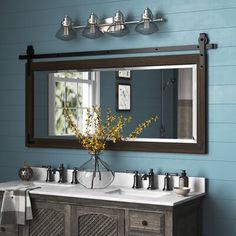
137,193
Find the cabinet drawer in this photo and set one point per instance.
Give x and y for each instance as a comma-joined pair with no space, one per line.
146,221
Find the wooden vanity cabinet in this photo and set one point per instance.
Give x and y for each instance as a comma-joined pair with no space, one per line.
66,216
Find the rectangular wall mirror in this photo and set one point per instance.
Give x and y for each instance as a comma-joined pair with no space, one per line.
172,87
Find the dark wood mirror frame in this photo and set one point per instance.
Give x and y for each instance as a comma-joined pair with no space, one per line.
200,59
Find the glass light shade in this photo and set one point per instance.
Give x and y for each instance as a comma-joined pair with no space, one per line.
146,24
95,173
146,27
66,33
118,28
92,30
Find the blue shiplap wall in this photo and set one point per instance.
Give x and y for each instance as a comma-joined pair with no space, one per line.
35,22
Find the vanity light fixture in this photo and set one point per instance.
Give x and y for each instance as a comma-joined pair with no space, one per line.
115,26
146,24
66,31
118,28
92,30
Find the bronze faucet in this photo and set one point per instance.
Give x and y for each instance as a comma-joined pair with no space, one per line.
150,176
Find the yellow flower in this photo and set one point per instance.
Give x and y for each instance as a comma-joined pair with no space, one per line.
111,130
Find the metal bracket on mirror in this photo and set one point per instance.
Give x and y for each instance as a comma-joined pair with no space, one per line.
202,47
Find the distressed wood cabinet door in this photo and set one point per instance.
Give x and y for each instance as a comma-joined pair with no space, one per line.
49,219
99,221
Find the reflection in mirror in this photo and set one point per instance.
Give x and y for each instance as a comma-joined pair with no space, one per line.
167,91
77,91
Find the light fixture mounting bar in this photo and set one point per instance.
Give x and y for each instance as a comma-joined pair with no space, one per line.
161,19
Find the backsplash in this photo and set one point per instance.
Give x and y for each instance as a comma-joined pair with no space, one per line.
196,184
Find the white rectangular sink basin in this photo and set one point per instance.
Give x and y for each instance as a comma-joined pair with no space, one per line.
137,193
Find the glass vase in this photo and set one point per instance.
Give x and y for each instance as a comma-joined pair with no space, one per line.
95,173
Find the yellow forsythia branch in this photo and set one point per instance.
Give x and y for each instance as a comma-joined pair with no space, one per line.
111,130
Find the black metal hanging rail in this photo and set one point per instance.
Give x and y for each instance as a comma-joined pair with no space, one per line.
202,46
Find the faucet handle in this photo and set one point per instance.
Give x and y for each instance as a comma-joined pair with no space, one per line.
167,183
74,176
151,177
50,174
136,183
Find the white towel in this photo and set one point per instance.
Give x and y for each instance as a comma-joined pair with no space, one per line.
16,206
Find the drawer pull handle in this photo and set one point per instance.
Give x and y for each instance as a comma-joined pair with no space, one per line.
144,223
3,229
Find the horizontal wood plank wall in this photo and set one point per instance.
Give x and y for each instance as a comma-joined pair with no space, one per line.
35,22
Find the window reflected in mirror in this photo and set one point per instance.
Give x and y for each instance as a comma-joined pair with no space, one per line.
74,90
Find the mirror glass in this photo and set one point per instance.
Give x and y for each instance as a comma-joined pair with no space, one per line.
171,87
170,92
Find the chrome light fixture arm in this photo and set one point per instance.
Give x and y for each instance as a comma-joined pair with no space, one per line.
102,25
161,19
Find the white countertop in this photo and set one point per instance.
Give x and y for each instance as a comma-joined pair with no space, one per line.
111,193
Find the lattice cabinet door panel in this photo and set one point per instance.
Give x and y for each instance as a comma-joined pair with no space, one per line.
100,221
49,219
